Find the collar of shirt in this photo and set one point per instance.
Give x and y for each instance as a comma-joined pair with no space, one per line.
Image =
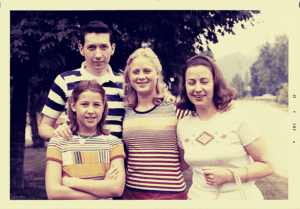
100,79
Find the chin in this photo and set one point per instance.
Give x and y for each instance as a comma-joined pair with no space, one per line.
144,92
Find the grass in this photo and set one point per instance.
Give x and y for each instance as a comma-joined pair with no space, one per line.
273,187
282,106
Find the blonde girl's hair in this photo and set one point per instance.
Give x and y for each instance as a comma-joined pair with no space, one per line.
130,98
83,86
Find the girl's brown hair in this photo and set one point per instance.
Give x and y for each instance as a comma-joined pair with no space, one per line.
223,93
93,86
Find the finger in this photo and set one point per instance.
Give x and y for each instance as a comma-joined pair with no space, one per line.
116,171
55,133
111,171
64,135
209,183
59,134
207,172
209,177
67,131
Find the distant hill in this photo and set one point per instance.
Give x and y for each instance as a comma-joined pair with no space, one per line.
235,63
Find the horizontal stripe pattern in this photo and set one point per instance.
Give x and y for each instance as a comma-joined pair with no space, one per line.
89,160
62,89
153,158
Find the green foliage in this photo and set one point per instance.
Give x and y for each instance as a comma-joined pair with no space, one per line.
49,40
271,68
283,94
38,37
238,84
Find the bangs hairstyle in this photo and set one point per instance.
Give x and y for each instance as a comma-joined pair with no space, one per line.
95,27
223,93
83,86
130,98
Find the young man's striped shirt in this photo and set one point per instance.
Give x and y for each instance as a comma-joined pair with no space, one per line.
64,84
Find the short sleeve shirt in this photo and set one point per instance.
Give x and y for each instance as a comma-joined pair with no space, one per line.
88,160
218,142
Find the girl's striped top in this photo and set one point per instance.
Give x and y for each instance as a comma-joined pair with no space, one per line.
153,157
64,84
88,160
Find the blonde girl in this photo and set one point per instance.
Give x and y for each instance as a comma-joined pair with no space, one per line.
154,170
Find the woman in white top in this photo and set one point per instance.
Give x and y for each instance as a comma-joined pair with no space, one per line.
214,143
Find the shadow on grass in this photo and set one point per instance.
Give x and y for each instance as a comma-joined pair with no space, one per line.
34,180
273,187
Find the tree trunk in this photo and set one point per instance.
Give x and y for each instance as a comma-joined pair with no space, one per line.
17,130
36,139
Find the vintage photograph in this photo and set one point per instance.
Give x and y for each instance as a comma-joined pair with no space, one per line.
184,102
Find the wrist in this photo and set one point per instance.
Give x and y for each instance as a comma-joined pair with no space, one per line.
247,175
229,176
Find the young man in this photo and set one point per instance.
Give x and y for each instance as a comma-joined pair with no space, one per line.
97,47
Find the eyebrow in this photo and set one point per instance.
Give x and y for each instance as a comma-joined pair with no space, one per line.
94,44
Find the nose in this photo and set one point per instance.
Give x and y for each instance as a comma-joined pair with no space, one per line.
90,109
98,54
141,76
198,87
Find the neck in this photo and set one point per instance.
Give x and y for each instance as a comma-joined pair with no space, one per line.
145,102
87,132
97,73
206,113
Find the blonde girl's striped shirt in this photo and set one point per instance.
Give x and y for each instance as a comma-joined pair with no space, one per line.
153,157
90,160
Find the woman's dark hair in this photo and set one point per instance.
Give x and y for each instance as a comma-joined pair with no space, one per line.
95,27
83,86
223,93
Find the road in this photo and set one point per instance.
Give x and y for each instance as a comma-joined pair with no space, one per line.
273,122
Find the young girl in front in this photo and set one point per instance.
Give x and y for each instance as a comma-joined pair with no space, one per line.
91,165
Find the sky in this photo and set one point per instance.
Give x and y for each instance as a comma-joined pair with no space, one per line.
275,22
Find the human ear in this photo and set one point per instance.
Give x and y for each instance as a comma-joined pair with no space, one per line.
73,107
80,46
113,48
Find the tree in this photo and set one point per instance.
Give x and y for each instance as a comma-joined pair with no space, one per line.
43,44
283,96
270,70
238,84
36,43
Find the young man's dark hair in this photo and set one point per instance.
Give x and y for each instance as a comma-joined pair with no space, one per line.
95,27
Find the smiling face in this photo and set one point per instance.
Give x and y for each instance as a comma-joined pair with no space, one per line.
97,51
89,109
199,85
143,76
